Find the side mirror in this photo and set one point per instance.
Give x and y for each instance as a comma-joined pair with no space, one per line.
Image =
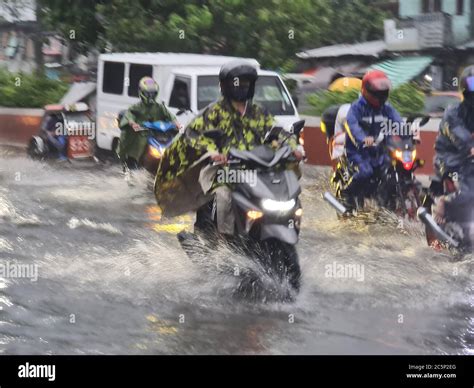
121,114
180,112
297,127
424,120
217,136
273,134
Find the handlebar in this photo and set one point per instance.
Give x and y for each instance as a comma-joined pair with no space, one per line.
377,141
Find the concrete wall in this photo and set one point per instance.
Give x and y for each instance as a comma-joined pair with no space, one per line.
18,125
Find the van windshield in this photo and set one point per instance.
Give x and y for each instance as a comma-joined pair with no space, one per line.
269,94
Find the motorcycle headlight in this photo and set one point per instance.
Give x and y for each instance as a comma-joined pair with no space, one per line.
399,155
272,205
155,153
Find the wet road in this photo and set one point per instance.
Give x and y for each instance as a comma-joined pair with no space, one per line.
107,276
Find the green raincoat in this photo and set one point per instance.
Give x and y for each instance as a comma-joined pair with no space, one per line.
176,186
133,144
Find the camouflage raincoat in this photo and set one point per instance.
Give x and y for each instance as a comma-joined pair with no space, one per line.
177,177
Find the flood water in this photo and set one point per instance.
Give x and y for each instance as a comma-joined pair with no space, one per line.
108,276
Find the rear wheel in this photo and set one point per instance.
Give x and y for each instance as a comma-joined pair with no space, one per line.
34,150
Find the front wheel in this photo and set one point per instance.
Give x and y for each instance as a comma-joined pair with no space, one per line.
278,275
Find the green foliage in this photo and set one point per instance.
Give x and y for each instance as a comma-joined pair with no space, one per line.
29,91
270,30
406,99
322,100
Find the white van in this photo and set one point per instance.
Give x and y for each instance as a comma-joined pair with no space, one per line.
188,83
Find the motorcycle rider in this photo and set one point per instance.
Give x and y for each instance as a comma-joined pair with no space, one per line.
56,141
243,123
133,140
366,119
454,147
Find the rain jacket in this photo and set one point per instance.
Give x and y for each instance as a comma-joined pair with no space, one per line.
363,120
133,144
453,143
176,186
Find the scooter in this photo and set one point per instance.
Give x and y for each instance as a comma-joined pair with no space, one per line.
267,212
161,134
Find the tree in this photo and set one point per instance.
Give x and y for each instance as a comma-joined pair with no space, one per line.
269,30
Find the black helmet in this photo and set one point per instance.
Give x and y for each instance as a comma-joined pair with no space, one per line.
237,80
466,84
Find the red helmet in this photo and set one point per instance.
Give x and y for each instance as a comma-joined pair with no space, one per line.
376,87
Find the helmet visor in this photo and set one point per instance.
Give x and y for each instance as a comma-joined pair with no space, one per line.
150,96
469,84
381,95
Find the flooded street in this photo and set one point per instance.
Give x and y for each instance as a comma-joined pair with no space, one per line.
113,279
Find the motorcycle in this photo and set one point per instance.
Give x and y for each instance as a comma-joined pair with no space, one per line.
399,190
457,231
64,134
161,134
267,212
393,186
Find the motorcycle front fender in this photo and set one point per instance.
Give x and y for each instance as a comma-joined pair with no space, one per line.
279,232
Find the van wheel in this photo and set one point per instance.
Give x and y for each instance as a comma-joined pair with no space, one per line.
116,149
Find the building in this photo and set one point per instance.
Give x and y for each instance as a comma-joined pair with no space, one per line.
439,30
22,41
429,40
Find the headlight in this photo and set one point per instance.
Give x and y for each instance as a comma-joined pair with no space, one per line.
271,205
254,214
399,155
155,153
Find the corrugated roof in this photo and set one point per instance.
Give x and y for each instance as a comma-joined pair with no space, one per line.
403,69
372,48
